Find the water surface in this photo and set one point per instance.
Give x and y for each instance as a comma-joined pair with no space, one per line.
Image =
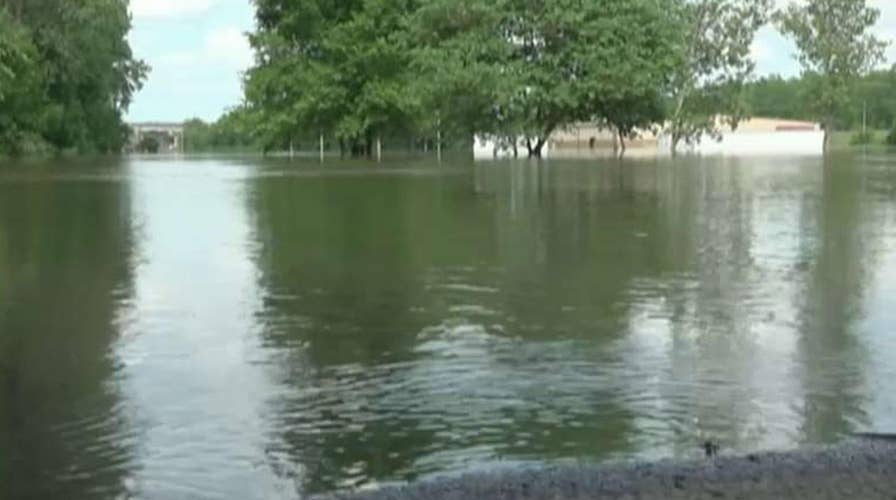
245,328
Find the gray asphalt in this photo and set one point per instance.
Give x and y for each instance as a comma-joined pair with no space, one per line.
861,468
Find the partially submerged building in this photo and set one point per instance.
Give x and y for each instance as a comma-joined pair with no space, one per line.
755,136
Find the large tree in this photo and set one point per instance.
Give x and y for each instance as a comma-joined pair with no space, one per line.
340,68
707,88
87,73
20,87
542,65
458,61
835,47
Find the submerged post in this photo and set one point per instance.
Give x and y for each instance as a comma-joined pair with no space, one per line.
321,148
439,140
864,117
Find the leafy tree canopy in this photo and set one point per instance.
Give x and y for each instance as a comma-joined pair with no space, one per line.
67,74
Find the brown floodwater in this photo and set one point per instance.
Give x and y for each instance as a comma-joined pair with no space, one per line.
233,327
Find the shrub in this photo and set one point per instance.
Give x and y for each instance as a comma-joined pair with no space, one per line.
861,138
891,137
148,144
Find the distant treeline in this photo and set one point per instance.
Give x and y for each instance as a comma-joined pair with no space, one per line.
238,130
875,93
231,131
66,75
773,96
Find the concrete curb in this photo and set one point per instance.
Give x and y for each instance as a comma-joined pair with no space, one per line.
861,468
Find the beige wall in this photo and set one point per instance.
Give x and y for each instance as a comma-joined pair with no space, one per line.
580,137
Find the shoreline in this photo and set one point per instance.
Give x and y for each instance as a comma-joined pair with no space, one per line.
863,467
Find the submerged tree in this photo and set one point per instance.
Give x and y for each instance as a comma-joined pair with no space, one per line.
506,68
458,68
707,89
627,117
835,48
548,64
339,68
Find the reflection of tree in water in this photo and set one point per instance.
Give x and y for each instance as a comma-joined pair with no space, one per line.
833,351
545,311
711,296
762,316
342,268
64,251
424,331
712,349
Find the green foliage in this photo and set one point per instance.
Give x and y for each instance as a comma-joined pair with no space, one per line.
149,144
365,69
861,138
776,97
20,84
507,68
234,130
835,48
66,75
717,38
891,137
340,68
871,94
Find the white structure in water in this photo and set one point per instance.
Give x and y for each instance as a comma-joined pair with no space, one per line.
488,147
753,137
757,137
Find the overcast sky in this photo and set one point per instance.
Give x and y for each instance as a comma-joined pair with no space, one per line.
198,50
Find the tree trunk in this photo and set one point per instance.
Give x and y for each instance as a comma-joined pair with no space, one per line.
536,150
674,146
543,140
621,144
828,131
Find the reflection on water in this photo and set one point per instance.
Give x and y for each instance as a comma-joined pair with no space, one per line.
65,247
259,329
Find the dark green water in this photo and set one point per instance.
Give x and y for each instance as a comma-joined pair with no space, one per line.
238,328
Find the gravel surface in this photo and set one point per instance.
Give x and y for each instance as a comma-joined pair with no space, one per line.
862,468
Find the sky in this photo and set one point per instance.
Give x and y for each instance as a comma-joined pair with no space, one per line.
198,51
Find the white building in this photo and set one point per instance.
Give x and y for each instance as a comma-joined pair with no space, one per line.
487,147
757,137
753,137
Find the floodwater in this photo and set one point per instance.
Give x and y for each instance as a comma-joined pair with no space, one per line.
242,328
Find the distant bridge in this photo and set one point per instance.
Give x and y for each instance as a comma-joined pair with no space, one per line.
156,137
